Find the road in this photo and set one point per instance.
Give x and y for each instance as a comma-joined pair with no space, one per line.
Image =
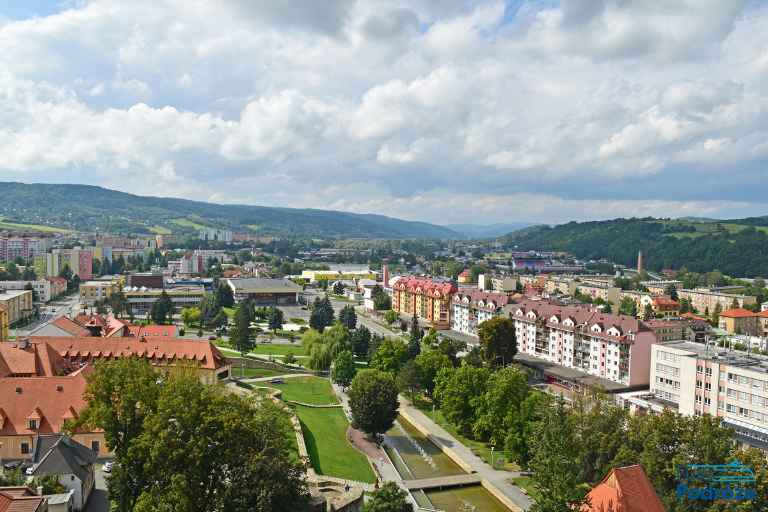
99,500
311,293
64,306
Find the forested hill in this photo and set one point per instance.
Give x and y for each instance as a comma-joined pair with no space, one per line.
88,208
736,247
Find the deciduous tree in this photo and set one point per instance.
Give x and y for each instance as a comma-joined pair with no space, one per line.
373,400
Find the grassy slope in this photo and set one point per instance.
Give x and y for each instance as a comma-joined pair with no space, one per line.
32,227
325,430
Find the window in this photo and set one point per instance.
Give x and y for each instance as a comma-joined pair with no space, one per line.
720,389
707,401
743,397
698,384
708,386
743,380
699,368
32,424
731,393
24,448
95,446
708,372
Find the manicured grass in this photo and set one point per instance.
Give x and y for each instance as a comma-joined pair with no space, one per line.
274,349
479,448
325,434
310,390
527,483
254,373
230,312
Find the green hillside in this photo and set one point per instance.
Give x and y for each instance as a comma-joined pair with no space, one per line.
738,247
89,208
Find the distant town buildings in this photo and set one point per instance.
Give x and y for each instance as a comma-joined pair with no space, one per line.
708,300
17,304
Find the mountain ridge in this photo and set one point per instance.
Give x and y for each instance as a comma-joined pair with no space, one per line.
93,208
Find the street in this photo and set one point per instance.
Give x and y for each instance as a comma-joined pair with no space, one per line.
63,306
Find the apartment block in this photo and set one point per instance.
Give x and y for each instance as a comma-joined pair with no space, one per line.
473,307
22,247
614,348
44,289
694,378
17,304
3,324
97,291
605,291
740,321
426,298
705,299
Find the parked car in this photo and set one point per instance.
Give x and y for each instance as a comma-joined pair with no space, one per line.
211,338
276,381
11,466
108,467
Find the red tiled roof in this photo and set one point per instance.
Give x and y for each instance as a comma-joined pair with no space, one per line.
665,301
475,296
20,499
693,317
53,399
624,490
70,326
168,350
30,360
763,314
148,331
426,285
738,313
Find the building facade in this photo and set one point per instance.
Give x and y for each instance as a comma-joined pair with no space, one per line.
704,299
97,291
44,289
696,379
473,307
616,348
425,298
17,304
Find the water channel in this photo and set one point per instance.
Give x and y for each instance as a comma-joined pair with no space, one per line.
416,457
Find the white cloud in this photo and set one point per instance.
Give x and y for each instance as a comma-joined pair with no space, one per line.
380,103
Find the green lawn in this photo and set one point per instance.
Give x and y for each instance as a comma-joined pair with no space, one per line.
254,373
325,433
279,350
310,390
188,224
527,483
479,448
230,312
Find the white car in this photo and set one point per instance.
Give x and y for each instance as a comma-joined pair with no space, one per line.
108,467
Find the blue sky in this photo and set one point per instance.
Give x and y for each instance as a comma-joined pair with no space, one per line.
449,111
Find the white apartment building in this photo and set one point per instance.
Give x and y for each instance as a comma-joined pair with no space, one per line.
616,348
43,288
694,378
472,307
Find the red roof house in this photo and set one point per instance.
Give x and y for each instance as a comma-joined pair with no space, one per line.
624,490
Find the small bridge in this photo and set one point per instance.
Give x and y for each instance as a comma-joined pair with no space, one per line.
442,482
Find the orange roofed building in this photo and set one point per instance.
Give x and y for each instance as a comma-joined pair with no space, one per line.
426,298
161,352
41,405
21,499
624,490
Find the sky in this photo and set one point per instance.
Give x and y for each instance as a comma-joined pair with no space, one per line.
446,111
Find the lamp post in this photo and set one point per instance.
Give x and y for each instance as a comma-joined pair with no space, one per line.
492,448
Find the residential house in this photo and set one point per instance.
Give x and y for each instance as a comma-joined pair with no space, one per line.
625,489
740,321
71,463
665,307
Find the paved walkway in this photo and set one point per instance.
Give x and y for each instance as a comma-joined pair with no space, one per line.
442,482
500,479
267,379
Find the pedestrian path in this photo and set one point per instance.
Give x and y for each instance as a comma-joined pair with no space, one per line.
500,480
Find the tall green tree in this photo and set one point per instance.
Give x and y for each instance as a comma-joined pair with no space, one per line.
361,340
373,401
224,296
458,392
162,309
506,390
390,356
211,451
409,379
523,424
240,335
120,395
275,318
555,462
390,498
322,314
348,317
430,362
343,369
498,341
